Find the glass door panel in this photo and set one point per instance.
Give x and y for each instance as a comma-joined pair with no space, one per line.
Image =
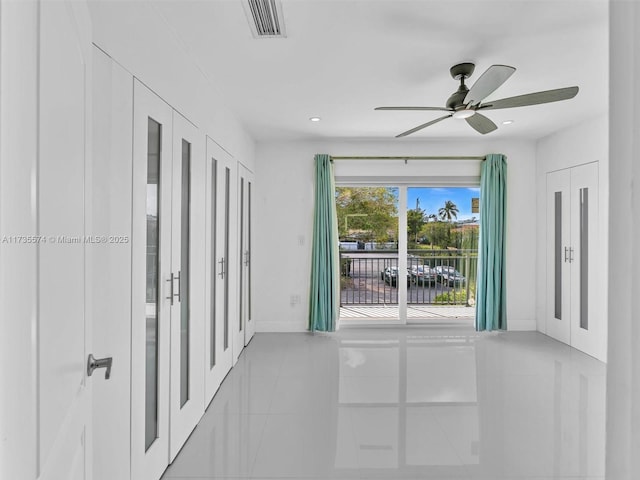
183,274
442,252
152,271
371,277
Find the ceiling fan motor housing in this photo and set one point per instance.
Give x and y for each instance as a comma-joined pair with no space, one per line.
456,100
460,72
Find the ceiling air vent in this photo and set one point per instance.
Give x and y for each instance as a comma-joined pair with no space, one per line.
265,18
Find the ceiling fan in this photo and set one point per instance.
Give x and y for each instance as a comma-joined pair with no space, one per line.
467,103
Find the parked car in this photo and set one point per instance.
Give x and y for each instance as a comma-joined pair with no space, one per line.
423,274
390,276
447,275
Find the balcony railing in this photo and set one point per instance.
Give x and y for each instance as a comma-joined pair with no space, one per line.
433,277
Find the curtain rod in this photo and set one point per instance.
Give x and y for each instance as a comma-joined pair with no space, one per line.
408,158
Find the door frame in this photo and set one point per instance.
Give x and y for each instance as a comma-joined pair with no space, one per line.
403,185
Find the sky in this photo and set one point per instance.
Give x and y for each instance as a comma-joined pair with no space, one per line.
432,199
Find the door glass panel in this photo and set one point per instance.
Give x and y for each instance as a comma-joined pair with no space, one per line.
249,251
154,136
227,194
241,293
184,271
368,232
214,271
558,256
584,258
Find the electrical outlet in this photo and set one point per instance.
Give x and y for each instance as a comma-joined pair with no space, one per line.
294,300
300,240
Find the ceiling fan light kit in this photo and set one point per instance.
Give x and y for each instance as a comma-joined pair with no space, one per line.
465,103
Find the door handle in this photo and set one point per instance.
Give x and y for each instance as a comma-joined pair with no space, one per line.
221,262
179,294
570,255
566,251
93,363
246,258
171,294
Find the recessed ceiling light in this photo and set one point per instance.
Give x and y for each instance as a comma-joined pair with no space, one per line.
507,122
315,119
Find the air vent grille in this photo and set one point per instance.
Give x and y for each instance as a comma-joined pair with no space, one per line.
265,18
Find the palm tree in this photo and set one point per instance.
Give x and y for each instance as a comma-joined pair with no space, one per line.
449,211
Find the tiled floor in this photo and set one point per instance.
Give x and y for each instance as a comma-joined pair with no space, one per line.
403,403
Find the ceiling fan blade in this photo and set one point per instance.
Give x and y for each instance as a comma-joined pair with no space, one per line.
481,123
414,108
489,81
536,98
424,125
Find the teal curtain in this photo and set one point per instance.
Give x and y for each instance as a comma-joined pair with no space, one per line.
491,282
324,305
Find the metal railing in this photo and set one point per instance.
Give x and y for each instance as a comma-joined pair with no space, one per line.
434,277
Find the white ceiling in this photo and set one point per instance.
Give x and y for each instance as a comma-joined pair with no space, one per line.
342,58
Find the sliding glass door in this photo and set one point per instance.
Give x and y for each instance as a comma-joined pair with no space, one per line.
407,253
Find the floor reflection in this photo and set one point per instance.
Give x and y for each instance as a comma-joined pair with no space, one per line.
415,402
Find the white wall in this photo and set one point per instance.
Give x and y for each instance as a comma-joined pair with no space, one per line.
136,36
19,39
284,221
623,367
583,143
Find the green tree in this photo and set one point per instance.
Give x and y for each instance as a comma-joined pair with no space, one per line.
377,204
449,211
415,221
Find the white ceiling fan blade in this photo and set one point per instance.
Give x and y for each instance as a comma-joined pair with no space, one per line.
481,124
489,81
424,125
536,98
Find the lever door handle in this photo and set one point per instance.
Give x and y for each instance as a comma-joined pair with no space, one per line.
171,294
179,294
222,272
93,363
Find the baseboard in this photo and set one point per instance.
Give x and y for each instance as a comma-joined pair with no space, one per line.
283,326
522,325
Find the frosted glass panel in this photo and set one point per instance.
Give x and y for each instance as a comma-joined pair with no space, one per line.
584,258
241,250
558,256
184,272
214,257
227,194
249,250
154,136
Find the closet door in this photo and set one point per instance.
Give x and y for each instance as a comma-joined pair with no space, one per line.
186,284
151,284
245,187
558,266
218,352
587,332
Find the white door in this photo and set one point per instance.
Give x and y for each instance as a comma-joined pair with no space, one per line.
64,329
587,333
186,284
152,280
573,268
218,353
558,266
246,325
